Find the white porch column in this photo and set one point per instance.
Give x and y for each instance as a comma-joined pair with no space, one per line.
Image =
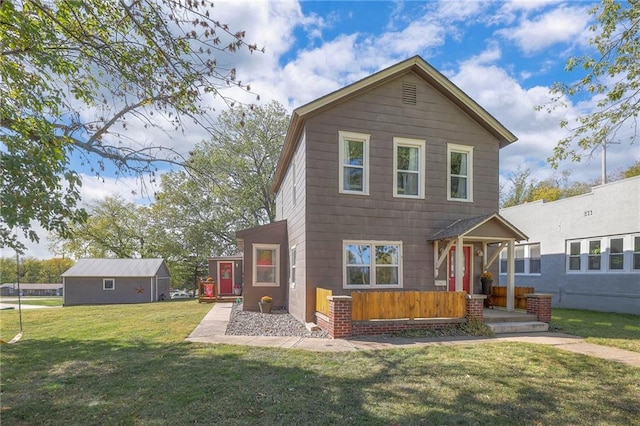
459,263
511,276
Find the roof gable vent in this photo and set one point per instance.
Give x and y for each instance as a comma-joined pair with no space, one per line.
409,93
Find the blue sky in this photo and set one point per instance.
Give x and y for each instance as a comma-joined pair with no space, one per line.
505,55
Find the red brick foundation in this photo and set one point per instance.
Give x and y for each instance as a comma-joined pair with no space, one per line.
539,305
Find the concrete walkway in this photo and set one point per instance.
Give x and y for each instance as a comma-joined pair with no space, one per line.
213,326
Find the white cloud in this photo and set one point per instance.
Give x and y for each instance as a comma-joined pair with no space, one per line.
560,25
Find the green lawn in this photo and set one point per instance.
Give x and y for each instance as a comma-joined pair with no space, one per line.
130,365
618,330
34,300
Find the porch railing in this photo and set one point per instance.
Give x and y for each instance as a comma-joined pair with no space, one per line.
499,296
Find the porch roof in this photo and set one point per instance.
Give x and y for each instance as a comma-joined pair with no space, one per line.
490,226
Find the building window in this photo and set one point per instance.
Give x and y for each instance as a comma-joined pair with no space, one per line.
409,167
294,188
109,284
354,163
459,172
527,259
595,255
574,256
370,264
266,265
616,254
636,253
519,259
534,259
292,263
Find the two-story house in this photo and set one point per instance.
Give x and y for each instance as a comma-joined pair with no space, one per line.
378,186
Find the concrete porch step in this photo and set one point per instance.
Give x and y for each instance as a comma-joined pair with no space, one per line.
495,315
518,327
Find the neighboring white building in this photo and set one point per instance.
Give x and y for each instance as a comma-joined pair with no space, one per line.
585,250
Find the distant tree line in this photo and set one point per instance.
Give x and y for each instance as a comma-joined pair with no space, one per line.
31,270
525,189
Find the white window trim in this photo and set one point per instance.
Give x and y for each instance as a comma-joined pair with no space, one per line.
372,265
342,136
605,252
467,149
631,249
527,260
257,247
104,283
292,266
411,143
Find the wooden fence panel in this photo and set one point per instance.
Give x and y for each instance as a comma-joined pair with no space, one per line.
322,303
407,304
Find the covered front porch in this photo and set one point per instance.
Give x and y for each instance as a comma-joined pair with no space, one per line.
480,240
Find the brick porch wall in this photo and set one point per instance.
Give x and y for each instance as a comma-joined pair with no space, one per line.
539,304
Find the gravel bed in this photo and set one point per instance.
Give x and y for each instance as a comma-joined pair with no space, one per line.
277,323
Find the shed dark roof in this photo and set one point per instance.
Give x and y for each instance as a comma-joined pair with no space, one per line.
114,268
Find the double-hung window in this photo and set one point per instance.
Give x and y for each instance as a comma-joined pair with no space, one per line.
616,254
354,163
595,255
266,265
574,256
369,264
409,167
459,172
636,253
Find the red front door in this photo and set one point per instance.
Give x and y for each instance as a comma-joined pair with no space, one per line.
225,277
452,268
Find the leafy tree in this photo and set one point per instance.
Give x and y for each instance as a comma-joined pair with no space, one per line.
524,189
114,229
632,170
612,76
76,75
521,187
197,214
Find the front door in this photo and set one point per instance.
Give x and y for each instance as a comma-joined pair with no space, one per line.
225,277
467,268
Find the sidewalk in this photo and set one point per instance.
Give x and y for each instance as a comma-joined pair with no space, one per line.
212,328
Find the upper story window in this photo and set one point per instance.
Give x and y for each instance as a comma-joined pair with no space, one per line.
459,172
266,265
354,163
369,264
294,183
409,165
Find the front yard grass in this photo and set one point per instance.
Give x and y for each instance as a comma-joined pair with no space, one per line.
130,365
34,300
602,328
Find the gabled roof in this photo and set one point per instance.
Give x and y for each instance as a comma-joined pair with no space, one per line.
466,227
415,64
114,268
